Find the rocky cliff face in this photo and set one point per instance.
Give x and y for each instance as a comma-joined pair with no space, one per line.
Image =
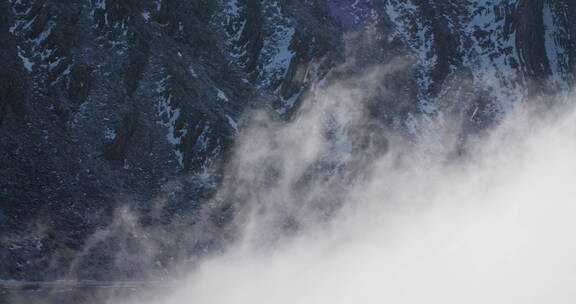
108,104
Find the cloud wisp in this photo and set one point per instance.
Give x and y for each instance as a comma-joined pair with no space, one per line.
332,207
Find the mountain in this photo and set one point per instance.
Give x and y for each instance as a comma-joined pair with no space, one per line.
108,106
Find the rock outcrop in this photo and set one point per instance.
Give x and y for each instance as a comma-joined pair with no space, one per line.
133,104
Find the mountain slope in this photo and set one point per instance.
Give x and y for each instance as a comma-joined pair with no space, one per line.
136,103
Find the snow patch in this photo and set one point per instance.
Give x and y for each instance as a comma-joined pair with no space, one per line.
193,72
169,116
232,123
109,134
288,104
555,52
222,96
204,138
100,4
276,49
418,36
28,64
492,65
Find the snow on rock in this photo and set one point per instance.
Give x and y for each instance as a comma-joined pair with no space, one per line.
146,16
234,24
168,116
493,55
288,104
232,123
411,29
555,51
109,134
28,64
276,50
221,95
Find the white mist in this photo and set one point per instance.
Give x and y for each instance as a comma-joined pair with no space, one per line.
498,226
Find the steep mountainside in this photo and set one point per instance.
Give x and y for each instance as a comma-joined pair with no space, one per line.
107,104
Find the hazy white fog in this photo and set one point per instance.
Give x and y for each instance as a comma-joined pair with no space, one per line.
409,226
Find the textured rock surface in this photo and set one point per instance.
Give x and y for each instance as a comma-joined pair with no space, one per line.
107,104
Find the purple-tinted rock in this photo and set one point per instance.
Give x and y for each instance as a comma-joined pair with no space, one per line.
351,14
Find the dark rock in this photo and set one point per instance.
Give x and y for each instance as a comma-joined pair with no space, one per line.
106,104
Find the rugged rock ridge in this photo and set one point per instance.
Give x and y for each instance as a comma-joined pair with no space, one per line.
106,103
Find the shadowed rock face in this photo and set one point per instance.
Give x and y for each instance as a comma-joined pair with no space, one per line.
351,14
107,104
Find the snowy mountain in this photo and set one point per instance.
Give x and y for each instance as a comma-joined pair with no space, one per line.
135,104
